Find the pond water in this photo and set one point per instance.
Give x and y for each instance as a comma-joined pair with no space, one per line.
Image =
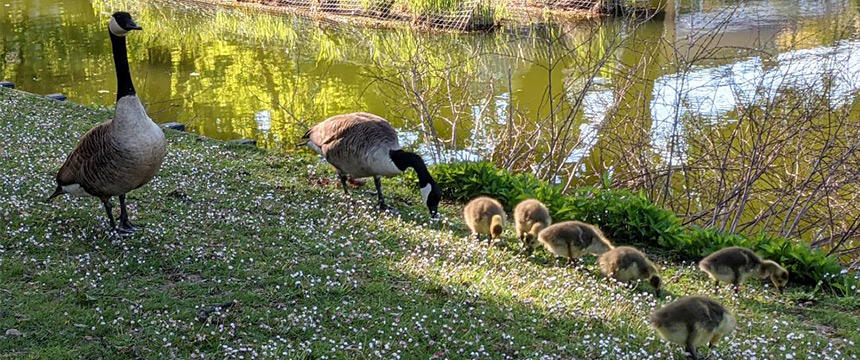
232,74
236,74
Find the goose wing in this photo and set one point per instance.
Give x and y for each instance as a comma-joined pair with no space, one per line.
356,143
89,162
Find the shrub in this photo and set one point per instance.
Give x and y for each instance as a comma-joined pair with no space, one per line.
630,218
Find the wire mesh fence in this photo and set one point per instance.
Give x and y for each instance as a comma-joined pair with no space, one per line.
446,14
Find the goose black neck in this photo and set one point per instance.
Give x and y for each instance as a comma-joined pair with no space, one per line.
124,86
404,159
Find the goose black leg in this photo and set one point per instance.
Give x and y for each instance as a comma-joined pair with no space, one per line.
342,178
378,182
382,205
109,211
125,225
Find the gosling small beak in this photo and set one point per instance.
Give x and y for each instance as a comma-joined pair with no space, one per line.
782,290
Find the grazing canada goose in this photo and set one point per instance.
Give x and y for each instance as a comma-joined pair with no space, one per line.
530,217
627,264
122,154
571,239
734,264
362,145
485,216
693,321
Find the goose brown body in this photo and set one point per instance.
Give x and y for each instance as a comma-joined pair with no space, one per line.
117,156
692,322
571,239
530,217
122,154
484,216
362,145
356,144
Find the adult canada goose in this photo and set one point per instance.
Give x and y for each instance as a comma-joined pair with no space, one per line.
627,264
692,322
362,145
119,155
571,239
735,264
530,217
485,216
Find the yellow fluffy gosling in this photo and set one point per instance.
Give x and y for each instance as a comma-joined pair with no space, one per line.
692,322
485,216
530,217
628,264
735,264
571,239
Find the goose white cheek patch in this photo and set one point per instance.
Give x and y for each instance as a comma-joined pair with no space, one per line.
115,28
425,192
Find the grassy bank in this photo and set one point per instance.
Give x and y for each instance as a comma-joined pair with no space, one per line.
314,274
631,219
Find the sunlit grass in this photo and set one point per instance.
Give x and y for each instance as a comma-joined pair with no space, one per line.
316,274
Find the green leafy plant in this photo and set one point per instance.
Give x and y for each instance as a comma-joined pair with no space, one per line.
630,218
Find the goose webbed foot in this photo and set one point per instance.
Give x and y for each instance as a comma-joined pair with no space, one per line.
126,231
383,207
125,225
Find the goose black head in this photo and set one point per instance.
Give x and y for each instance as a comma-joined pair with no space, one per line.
121,23
429,189
432,195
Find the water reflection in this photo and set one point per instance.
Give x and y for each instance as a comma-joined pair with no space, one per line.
231,74
711,93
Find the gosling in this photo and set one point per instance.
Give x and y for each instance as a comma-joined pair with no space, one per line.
735,264
628,264
530,217
485,216
693,321
571,239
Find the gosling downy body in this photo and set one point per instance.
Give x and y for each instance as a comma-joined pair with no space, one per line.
530,217
122,154
485,216
628,264
735,264
365,145
692,322
572,239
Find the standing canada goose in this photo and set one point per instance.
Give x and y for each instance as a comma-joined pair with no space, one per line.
734,264
627,264
119,155
693,321
530,217
485,216
363,145
571,239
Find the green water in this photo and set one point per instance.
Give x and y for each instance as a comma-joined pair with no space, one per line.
603,92
231,75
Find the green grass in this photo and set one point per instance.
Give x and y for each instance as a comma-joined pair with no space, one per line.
316,274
